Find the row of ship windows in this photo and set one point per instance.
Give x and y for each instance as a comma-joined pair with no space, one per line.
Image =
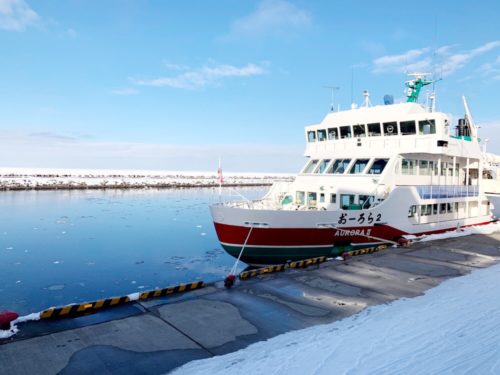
350,166
427,168
373,130
443,208
433,209
347,201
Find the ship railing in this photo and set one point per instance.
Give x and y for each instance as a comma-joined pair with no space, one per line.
447,191
250,204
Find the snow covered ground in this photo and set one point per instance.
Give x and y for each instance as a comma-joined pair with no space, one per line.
26,178
452,329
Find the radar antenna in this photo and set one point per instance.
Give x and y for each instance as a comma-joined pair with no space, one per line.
413,86
333,88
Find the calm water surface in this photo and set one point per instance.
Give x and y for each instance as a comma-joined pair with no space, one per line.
59,247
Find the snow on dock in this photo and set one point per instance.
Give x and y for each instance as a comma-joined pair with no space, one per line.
452,329
41,179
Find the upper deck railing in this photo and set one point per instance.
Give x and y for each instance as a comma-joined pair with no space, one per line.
447,191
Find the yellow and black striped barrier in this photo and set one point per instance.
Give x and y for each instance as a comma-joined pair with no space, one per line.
171,290
86,308
307,262
261,271
281,267
367,250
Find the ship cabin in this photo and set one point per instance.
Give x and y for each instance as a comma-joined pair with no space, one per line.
355,158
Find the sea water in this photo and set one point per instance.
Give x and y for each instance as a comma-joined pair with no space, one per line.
61,247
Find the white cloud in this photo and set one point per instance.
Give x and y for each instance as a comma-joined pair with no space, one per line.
178,67
271,17
491,69
125,92
402,61
421,59
454,62
204,76
16,15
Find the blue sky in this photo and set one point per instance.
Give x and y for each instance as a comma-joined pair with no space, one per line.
172,85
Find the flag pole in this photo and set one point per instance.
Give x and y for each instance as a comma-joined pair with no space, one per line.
219,175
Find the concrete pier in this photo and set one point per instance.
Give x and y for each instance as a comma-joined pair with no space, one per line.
156,336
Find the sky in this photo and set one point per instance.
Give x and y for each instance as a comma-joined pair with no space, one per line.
173,85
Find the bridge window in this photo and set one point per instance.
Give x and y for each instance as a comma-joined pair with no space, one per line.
408,128
412,211
333,198
366,201
374,130
444,168
347,201
408,166
378,166
426,210
359,166
311,199
339,166
423,168
300,197
359,130
333,133
311,136
345,132
427,127
311,166
321,135
390,128
322,165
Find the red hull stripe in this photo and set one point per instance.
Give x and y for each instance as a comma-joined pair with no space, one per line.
232,234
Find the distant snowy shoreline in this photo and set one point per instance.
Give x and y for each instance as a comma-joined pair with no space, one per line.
48,179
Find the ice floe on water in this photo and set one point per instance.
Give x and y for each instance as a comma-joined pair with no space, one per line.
134,296
56,287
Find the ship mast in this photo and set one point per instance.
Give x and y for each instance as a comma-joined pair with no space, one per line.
414,86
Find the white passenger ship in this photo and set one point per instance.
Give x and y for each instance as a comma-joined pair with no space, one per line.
373,175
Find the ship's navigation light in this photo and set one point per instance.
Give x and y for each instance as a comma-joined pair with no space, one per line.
366,102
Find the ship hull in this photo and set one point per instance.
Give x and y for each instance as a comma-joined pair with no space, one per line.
276,236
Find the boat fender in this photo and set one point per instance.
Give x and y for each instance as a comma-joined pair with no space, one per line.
403,242
6,317
229,281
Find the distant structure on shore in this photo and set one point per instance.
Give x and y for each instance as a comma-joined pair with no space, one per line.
51,179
